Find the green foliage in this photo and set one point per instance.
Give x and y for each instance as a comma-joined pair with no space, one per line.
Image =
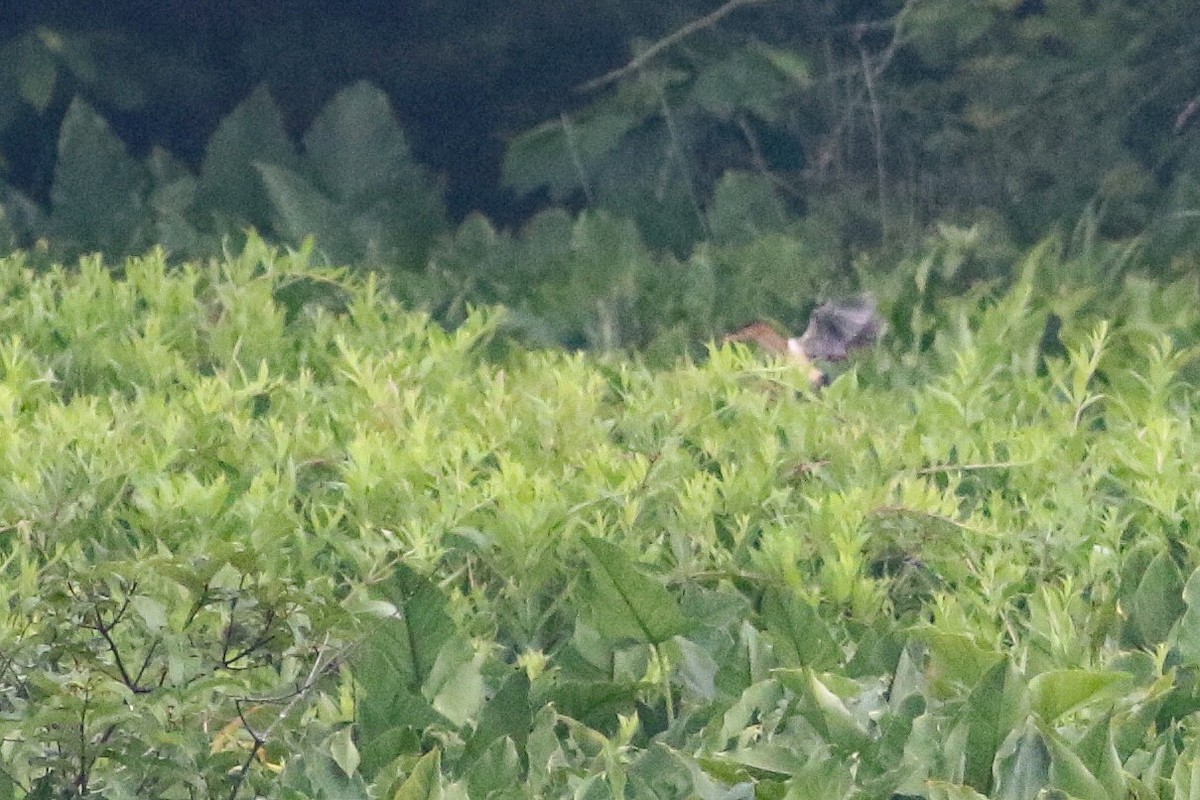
591,282
262,542
355,187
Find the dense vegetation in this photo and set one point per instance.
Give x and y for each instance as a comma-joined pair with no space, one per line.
456,500
265,540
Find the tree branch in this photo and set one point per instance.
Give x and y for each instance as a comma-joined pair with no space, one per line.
662,44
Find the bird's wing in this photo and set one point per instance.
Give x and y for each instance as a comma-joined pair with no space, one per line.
837,328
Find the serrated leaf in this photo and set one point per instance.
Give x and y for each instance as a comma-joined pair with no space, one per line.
624,602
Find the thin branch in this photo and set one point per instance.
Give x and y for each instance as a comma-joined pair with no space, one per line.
662,44
260,739
937,468
576,158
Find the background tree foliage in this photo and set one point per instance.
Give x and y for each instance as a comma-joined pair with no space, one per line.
875,117
474,152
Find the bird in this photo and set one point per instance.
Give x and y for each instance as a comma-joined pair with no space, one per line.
835,330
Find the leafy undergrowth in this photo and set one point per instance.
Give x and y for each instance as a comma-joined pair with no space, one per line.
264,533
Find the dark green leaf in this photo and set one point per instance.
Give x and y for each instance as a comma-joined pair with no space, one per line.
252,134
624,602
994,707
1188,638
507,713
1023,765
301,210
1158,601
356,148
799,635
826,711
98,194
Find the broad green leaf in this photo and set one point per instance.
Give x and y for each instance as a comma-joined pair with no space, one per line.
696,667
1052,694
399,655
455,684
744,81
356,147
1097,750
1158,601
623,601
939,790
496,772
36,71
755,701
955,658
765,757
98,192
564,154
1188,637
826,711
424,782
789,62
344,752
1185,777
543,750
1068,772
799,635
152,611
1022,765
994,707
253,133
300,209
507,713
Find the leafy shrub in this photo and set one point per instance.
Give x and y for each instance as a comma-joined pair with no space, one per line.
267,534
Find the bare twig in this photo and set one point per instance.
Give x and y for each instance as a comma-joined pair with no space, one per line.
258,740
662,44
